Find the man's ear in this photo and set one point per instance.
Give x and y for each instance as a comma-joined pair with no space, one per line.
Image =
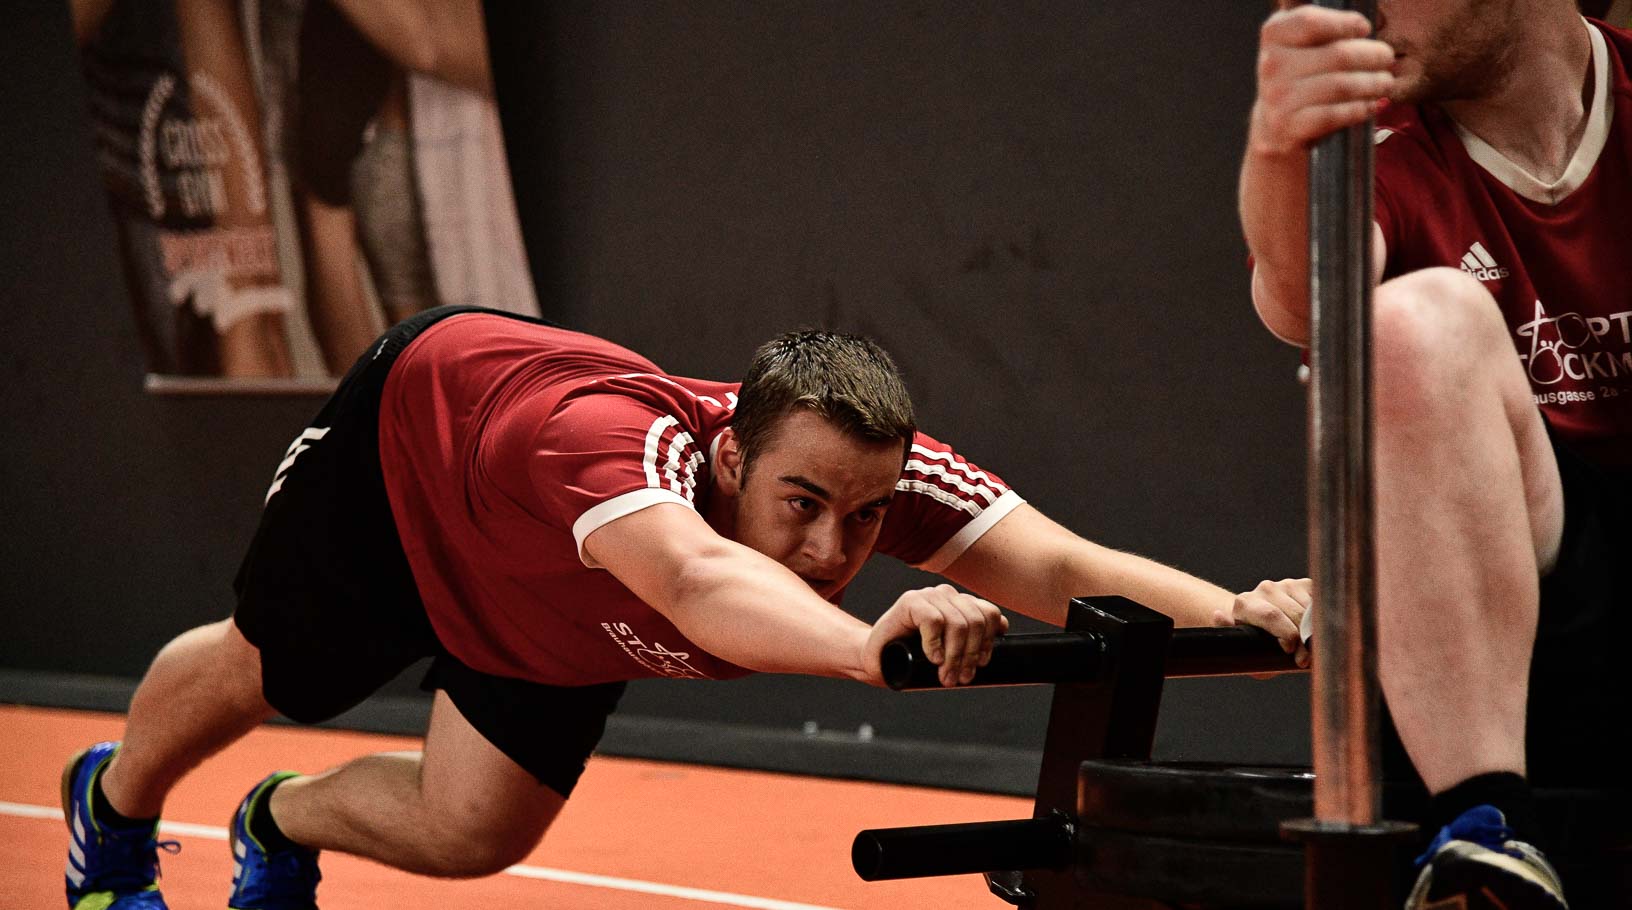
728,464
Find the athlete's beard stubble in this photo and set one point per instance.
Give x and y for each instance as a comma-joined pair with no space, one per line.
1468,54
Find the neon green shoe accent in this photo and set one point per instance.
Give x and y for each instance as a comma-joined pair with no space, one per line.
102,900
254,805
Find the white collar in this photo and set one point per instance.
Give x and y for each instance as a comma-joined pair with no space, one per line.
1593,139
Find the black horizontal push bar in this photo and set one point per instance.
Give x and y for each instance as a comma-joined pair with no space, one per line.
883,854
1017,660
1227,651
1076,657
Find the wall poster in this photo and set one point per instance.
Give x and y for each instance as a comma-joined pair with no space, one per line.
289,177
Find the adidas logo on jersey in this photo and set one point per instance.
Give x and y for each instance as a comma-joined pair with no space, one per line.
1479,263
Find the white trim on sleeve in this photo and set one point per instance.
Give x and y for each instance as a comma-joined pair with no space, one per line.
973,531
614,509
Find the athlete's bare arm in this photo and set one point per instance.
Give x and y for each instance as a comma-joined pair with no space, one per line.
1317,73
1033,565
745,607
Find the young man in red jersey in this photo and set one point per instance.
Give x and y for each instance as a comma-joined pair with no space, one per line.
546,515
1503,387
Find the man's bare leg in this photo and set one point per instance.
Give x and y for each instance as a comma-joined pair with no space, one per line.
1469,512
202,692
459,809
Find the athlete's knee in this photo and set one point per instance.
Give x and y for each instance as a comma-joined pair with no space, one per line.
472,847
1439,311
1433,332
215,657
238,667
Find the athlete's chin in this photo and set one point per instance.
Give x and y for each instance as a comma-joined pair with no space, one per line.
1410,88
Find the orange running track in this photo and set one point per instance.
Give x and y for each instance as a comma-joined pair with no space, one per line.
637,835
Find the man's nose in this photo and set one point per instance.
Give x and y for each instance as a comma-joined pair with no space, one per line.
824,546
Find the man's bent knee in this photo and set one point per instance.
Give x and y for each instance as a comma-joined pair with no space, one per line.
472,849
1437,317
1434,333
238,665
218,657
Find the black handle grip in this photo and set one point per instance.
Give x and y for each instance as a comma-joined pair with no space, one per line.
1071,657
1227,651
883,854
1017,660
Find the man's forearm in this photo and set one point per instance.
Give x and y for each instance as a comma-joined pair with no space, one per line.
745,608
1274,200
1319,71
733,602
1029,563
1191,601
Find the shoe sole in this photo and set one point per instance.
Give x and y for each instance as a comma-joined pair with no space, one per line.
1463,882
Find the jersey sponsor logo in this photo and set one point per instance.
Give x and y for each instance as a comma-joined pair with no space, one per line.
671,458
1576,347
1563,397
1478,262
654,657
301,444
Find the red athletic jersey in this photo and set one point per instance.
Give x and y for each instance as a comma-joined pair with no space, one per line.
1557,258
505,443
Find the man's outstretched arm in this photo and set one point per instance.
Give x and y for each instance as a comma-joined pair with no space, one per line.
1033,565
745,607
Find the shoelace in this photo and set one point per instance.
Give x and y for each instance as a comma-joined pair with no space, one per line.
1483,825
132,859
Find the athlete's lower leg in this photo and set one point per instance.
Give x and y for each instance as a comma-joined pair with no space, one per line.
459,809
201,693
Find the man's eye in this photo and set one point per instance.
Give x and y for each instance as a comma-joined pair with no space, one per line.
802,503
866,518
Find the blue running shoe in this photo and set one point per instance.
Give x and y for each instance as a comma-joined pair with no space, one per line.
1475,864
269,880
108,868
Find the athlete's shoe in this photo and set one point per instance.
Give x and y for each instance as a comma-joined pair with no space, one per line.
1475,864
109,868
269,880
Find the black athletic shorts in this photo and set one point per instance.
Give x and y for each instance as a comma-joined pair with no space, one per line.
1580,692
327,595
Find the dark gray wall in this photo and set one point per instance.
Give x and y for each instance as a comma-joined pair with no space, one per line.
1031,205
123,511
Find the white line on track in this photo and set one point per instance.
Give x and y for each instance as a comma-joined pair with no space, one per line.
563,876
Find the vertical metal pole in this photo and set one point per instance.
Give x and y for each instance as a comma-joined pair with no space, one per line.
1349,850
1340,501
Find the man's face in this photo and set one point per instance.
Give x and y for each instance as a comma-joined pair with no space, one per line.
1447,50
814,499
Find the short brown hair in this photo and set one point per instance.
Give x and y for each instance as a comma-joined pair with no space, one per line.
846,379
